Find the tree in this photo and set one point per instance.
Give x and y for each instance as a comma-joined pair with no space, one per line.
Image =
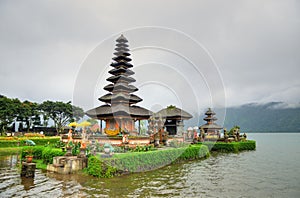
29,114
61,113
8,112
45,116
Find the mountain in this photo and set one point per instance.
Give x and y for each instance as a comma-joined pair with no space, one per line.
255,117
270,117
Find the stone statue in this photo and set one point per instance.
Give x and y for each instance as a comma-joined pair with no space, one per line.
70,135
245,136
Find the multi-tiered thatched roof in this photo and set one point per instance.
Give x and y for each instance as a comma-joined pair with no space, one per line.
120,100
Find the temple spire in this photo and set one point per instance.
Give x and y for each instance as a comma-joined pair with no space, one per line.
119,111
121,88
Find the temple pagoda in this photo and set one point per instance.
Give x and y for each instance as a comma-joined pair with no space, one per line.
120,111
210,127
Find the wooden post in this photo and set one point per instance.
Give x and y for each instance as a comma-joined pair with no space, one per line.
139,127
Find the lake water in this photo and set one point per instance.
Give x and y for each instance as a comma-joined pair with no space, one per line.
273,170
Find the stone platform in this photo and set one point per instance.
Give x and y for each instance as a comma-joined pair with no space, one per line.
67,164
28,169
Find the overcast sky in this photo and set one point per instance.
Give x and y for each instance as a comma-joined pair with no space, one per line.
187,53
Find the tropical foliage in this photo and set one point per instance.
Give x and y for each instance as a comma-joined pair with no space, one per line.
61,113
29,114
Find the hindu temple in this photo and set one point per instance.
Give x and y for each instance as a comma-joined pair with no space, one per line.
120,111
210,128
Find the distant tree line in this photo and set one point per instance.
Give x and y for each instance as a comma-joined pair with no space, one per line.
30,114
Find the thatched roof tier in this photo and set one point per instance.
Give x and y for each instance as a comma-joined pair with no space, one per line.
120,78
120,97
121,59
119,87
210,118
173,112
117,111
122,45
211,126
210,112
121,64
121,70
120,53
122,39
122,49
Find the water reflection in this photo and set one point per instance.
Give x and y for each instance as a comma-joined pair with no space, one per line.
28,183
270,171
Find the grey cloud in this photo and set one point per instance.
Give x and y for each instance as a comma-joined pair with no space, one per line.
255,44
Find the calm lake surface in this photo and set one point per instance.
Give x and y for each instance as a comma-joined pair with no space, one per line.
273,170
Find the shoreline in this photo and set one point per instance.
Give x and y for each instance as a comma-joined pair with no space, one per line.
132,162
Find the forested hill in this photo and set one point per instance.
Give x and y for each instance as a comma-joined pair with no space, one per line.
270,117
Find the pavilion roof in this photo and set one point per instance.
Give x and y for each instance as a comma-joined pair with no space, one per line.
174,113
211,126
210,118
210,112
105,111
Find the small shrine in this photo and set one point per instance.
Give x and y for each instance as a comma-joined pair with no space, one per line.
173,118
120,112
210,128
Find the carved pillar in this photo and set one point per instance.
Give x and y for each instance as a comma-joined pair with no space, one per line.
180,127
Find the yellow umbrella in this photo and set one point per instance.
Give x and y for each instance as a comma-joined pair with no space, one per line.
84,124
73,124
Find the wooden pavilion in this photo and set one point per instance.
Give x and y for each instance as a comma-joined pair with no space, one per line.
173,118
120,112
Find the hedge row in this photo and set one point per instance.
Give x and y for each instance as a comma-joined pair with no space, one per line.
42,152
37,141
143,161
231,147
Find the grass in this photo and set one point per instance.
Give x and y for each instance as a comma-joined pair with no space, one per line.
10,150
40,164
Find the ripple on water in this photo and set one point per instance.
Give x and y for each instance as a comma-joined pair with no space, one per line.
270,171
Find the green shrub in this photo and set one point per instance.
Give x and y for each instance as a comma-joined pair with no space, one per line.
37,141
231,146
45,141
36,151
247,145
143,161
97,168
42,152
60,144
49,153
9,143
